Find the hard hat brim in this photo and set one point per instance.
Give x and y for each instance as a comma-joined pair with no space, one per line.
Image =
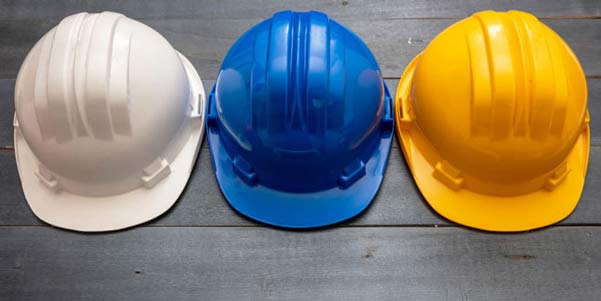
490,212
107,213
298,210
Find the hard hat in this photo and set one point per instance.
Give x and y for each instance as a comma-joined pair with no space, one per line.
493,121
108,122
299,122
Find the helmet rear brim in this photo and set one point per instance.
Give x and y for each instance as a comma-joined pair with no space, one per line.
298,210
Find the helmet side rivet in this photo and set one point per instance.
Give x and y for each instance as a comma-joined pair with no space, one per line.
351,174
448,174
245,171
557,176
195,110
211,113
48,179
404,115
387,122
155,172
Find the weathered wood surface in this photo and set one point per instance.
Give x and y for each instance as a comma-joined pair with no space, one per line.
204,36
255,263
202,249
343,9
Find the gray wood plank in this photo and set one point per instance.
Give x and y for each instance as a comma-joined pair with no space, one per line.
13,207
7,102
202,249
202,204
394,42
345,263
232,9
205,41
594,109
7,111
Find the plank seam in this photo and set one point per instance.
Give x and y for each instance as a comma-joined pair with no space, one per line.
567,225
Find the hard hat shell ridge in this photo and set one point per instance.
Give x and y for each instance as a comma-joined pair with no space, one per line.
299,122
493,122
108,123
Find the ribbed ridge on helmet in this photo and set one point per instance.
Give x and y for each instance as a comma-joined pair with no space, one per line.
512,92
309,97
292,43
81,82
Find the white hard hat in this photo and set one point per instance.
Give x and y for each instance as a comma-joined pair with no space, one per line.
108,123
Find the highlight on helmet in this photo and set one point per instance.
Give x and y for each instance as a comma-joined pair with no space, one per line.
493,122
108,123
299,122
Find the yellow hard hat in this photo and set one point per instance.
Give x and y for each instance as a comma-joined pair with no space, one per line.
492,118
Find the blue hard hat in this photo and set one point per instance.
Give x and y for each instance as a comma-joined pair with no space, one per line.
299,122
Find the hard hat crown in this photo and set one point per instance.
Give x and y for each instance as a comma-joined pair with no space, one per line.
300,103
502,99
101,99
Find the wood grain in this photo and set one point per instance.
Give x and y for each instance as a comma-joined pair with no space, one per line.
205,41
202,249
341,264
232,9
7,111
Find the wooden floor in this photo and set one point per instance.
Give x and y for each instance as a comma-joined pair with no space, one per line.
201,249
